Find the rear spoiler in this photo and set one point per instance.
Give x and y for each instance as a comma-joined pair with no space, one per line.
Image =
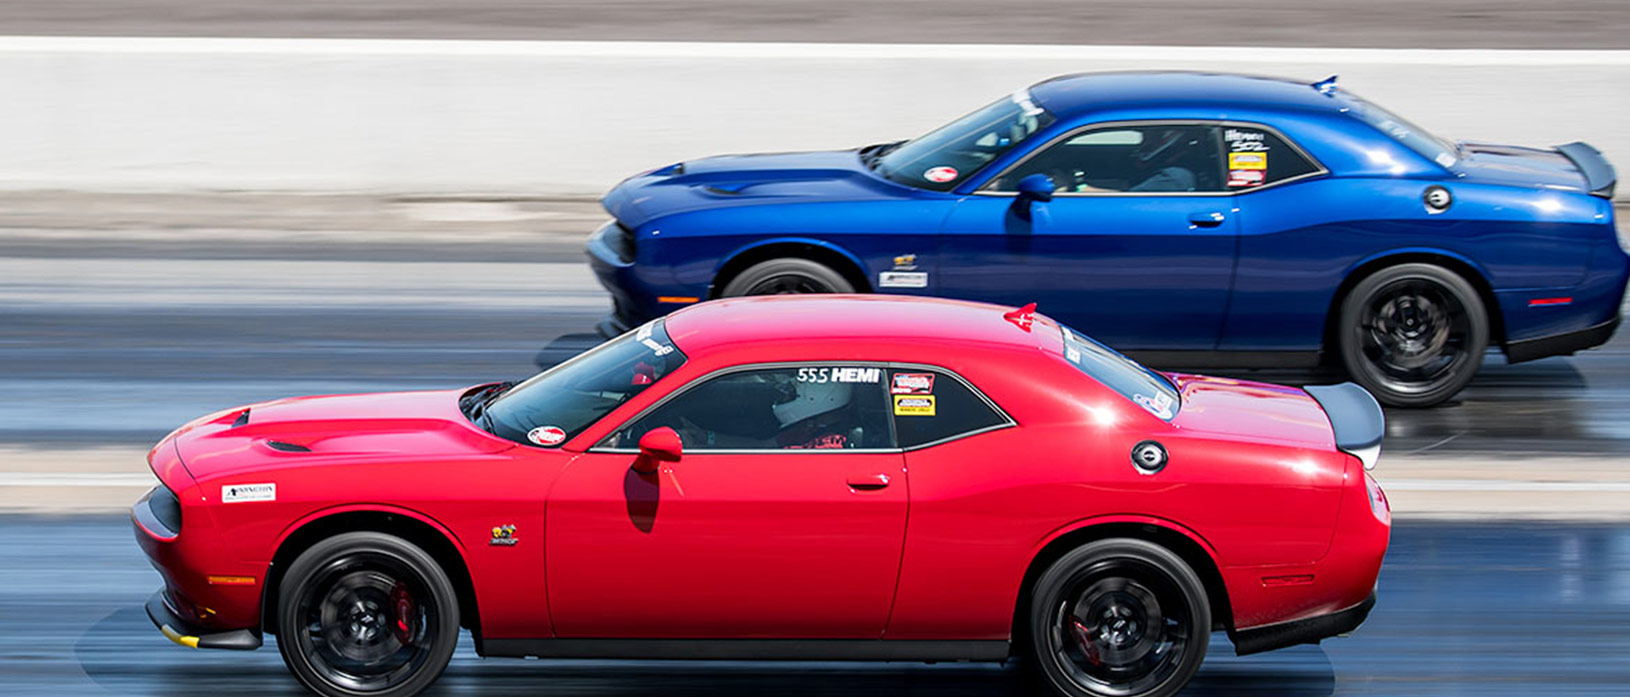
1355,417
1599,175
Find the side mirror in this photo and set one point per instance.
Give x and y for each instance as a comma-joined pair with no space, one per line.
1037,187
656,447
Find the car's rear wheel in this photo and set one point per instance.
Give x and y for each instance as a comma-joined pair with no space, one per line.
1119,618
787,276
366,613
1413,334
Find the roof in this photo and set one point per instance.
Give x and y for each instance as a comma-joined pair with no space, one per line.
858,318
1072,94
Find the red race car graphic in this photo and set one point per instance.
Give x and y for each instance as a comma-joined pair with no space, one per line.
736,481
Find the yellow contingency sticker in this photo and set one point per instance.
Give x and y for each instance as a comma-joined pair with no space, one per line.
1247,160
913,405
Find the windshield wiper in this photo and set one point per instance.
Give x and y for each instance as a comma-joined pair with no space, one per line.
870,154
476,405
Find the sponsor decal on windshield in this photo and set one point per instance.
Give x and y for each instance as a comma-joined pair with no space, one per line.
940,175
644,336
1160,405
546,435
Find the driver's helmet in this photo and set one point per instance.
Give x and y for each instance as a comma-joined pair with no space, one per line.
1159,145
813,399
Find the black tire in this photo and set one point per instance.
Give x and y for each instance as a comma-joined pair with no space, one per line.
399,624
1119,618
784,276
1413,334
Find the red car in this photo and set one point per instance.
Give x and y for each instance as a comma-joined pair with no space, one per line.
820,477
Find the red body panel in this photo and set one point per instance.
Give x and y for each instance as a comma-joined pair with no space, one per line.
778,544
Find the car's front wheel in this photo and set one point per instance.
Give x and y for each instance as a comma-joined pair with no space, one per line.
1413,334
366,613
1119,618
786,276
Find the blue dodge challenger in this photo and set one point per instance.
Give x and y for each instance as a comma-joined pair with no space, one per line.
1189,219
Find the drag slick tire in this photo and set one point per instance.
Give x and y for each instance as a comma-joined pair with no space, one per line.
1413,334
1119,618
366,613
786,276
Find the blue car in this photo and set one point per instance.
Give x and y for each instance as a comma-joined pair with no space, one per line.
1187,219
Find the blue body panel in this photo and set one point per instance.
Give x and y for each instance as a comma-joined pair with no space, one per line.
1132,270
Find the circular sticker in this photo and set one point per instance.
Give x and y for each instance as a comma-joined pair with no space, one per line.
546,435
940,175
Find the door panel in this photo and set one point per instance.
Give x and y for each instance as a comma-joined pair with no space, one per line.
727,545
1132,271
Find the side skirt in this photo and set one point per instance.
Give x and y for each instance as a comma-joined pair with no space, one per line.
750,649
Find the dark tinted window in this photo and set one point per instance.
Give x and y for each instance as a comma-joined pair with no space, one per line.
560,402
931,406
1143,159
942,159
1257,157
788,408
1143,386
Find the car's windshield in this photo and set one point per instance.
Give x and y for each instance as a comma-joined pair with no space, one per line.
1413,137
1143,386
944,158
562,401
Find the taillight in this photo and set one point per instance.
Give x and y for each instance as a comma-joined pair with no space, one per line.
1378,499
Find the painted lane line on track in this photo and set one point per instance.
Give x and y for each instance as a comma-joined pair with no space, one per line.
43,479
863,51
1500,485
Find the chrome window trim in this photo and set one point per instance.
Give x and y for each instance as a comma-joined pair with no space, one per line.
1319,168
1008,421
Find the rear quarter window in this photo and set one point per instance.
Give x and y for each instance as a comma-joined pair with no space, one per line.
930,406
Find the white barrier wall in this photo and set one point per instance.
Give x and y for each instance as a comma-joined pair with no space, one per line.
547,118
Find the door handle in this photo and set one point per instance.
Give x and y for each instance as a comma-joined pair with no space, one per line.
868,482
1212,219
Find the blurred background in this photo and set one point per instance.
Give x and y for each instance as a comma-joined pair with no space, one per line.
205,203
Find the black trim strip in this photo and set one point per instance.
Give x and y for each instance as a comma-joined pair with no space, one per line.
1309,631
1561,344
164,618
751,649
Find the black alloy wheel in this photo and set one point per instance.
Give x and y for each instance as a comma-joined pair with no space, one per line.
1413,334
785,277
1119,618
366,614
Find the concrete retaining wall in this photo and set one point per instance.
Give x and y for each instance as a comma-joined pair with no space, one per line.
543,118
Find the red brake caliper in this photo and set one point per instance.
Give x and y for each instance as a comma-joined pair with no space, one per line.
1083,636
403,602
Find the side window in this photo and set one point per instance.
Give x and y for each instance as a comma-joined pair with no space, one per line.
1141,159
789,408
931,406
1257,157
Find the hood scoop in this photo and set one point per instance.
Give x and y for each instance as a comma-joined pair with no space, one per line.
287,447
242,419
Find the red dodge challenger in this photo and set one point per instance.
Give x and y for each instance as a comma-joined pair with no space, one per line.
796,477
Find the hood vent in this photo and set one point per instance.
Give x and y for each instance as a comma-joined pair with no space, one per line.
287,447
242,419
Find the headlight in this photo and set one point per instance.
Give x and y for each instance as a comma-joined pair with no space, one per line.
164,509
